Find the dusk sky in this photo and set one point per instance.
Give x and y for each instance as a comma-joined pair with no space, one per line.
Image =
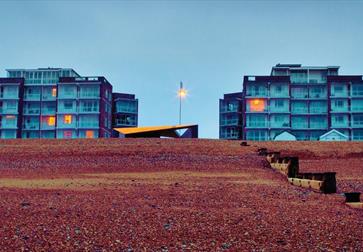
148,47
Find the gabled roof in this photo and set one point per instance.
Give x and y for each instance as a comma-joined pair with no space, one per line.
333,131
284,132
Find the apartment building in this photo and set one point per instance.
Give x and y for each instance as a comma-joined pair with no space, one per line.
230,116
84,107
125,110
11,95
305,101
55,103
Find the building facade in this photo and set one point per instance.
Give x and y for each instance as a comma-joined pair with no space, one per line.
306,102
125,110
230,116
55,103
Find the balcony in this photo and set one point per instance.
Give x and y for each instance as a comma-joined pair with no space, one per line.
321,96
9,124
9,96
230,135
48,97
31,126
131,122
8,111
318,110
89,95
258,124
339,95
279,125
340,125
88,124
32,97
299,125
318,125
226,122
279,110
223,110
31,111
303,110
339,110
88,110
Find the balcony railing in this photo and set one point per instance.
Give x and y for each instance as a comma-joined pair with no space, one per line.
252,124
223,110
356,109
339,109
230,122
48,97
88,125
232,135
299,125
318,110
340,95
279,125
31,126
126,122
340,125
318,125
303,110
32,97
32,111
279,110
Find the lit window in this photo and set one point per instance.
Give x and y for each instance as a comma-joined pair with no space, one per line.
54,92
67,119
89,134
51,121
257,105
10,117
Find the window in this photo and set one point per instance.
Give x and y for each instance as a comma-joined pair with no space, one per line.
128,106
299,122
299,92
89,134
357,90
299,107
357,105
318,107
68,105
317,92
89,106
257,105
67,134
255,120
318,122
357,134
338,89
89,91
358,120
51,121
257,135
54,92
257,90
68,119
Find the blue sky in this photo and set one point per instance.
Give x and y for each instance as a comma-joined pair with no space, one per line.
148,47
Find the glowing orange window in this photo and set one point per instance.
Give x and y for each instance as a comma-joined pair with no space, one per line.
54,92
68,119
257,105
10,117
89,134
51,121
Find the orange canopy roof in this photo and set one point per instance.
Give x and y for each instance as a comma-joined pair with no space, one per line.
135,130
